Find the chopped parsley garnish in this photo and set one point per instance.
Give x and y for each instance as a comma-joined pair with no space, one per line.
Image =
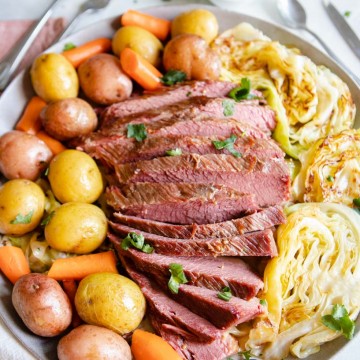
263,302
225,294
47,219
347,13
137,131
189,93
174,152
69,46
356,202
23,219
330,178
172,77
339,320
137,241
228,107
177,277
227,144
242,92
246,355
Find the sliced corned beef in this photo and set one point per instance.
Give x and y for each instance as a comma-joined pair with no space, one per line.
268,180
166,96
260,220
168,311
209,272
180,203
259,243
193,350
112,153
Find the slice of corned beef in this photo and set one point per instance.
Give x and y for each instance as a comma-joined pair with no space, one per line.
258,243
166,96
180,203
209,272
193,350
261,117
113,154
268,180
168,311
260,220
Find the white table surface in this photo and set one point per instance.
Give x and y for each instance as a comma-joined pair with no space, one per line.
318,21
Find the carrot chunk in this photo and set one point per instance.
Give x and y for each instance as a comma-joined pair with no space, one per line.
30,120
55,145
13,263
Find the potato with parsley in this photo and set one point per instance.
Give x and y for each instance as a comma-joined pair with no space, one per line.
77,228
54,78
22,204
74,176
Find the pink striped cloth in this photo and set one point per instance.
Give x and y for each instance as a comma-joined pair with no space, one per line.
12,31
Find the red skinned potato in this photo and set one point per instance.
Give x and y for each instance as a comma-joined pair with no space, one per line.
192,55
68,118
22,155
93,342
103,80
42,304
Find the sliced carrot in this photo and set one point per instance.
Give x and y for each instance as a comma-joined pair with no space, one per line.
76,268
81,53
159,27
30,120
70,287
55,145
148,346
140,69
13,263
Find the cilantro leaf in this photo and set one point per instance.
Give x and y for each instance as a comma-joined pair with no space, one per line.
137,131
23,219
137,241
47,219
228,107
69,46
177,277
174,152
225,294
172,77
227,144
242,92
339,320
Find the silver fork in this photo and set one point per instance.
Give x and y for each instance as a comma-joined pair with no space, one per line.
11,62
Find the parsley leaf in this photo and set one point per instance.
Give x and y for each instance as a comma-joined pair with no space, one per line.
356,202
23,219
347,13
242,92
69,46
330,178
177,277
227,144
263,302
228,107
137,131
225,294
47,219
137,241
339,320
172,77
246,354
174,152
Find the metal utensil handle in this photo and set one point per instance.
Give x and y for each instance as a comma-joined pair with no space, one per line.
11,62
334,56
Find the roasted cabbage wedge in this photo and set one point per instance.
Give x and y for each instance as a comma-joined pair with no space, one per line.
318,266
309,101
330,170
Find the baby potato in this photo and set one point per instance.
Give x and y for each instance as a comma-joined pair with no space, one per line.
103,80
198,22
53,77
68,118
74,176
101,343
110,300
42,304
141,41
23,155
192,55
22,204
77,228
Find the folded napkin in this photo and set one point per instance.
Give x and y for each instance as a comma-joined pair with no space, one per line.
12,31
